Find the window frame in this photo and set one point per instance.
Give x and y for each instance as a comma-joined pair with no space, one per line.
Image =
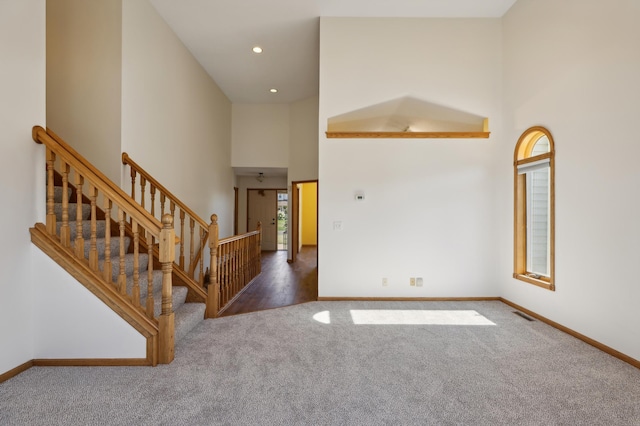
522,155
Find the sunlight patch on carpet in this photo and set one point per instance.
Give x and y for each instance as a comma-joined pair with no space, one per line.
324,317
417,317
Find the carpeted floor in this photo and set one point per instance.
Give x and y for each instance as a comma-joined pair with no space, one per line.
471,363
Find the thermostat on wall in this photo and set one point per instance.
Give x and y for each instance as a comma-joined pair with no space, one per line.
359,196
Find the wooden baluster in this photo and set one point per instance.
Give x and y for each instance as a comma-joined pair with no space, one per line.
213,295
65,231
250,255
150,303
222,274
192,252
166,320
181,263
227,274
259,249
143,184
133,188
244,262
241,263
79,243
163,199
136,265
93,246
236,272
107,272
51,215
122,277
172,210
133,183
201,276
152,191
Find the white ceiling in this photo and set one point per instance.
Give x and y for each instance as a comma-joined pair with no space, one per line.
221,33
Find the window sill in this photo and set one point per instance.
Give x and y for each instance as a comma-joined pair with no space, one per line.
535,281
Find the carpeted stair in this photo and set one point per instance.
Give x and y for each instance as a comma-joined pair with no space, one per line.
187,315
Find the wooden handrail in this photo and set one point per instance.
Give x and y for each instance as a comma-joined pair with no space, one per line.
237,237
126,160
115,193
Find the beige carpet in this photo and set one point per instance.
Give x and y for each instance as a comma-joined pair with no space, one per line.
347,363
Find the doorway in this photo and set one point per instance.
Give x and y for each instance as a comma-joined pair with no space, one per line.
262,206
282,220
304,216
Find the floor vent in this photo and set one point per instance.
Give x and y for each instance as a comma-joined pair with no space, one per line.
527,317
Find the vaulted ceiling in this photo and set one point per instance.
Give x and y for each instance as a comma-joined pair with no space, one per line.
222,33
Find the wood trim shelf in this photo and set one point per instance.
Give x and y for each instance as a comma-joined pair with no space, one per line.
408,135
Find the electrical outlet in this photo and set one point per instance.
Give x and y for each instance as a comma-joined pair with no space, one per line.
385,282
419,282
412,282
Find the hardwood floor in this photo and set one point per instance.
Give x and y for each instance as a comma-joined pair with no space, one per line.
280,283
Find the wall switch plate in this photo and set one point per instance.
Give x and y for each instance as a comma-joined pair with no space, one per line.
419,282
412,282
337,225
385,282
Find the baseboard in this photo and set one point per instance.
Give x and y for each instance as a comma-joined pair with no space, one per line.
15,371
92,362
75,362
407,299
604,348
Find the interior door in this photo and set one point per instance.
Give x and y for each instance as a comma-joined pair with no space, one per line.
262,206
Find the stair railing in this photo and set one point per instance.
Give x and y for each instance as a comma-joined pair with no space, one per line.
121,215
235,262
194,239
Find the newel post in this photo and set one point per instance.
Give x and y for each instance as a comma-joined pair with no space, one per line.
167,254
213,296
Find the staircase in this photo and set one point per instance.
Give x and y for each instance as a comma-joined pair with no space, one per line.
131,257
187,315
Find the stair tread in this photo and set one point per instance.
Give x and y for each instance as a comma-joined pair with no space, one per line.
187,317
86,211
58,194
179,297
143,281
143,263
101,246
101,226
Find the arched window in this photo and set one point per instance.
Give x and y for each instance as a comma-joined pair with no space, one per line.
534,233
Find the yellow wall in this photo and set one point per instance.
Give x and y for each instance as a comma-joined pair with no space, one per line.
309,214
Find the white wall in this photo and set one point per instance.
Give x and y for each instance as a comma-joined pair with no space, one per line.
429,209
84,56
70,322
576,73
22,105
260,135
303,140
249,182
176,122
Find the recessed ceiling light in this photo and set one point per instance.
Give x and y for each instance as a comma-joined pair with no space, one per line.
257,49
273,90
